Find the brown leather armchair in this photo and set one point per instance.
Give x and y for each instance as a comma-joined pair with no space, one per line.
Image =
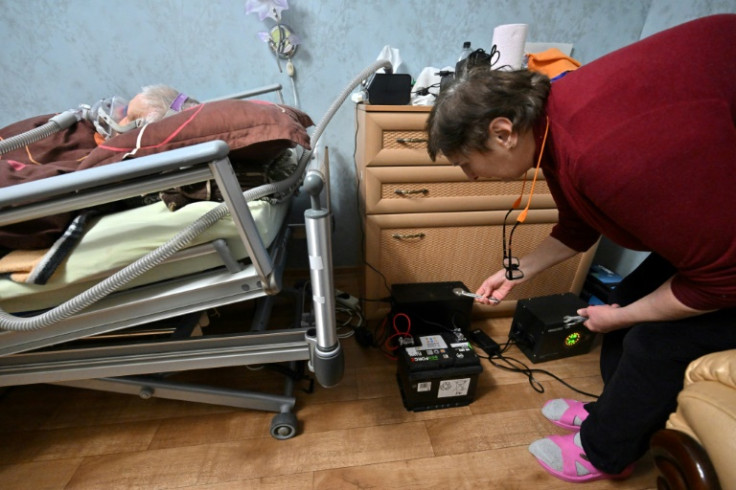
697,450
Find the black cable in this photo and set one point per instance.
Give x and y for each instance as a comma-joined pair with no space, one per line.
358,208
425,90
527,371
440,326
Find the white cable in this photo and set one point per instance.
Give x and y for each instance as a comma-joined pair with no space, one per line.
292,73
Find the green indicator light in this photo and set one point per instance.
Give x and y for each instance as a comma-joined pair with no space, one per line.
572,339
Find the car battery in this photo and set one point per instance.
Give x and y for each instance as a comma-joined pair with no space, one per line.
540,331
437,371
429,304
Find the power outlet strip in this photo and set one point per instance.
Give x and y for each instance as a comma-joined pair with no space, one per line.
346,300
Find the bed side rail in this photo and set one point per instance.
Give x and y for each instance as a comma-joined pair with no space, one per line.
125,179
99,185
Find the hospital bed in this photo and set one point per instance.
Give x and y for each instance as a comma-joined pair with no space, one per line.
224,253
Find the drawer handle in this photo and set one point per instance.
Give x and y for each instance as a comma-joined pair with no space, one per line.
409,236
403,192
411,140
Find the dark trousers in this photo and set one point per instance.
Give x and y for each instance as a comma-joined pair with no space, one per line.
643,369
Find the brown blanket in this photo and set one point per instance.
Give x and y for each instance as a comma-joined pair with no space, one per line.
257,132
57,154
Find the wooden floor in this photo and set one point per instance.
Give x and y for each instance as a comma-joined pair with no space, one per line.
356,435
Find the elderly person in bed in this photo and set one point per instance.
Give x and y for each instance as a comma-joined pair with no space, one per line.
109,117
153,103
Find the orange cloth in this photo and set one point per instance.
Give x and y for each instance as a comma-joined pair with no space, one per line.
20,263
551,62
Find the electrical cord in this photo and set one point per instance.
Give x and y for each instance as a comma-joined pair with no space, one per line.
353,320
358,211
389,341
425,90
348,319
495,352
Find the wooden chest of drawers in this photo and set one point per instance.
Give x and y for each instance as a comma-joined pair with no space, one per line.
425,221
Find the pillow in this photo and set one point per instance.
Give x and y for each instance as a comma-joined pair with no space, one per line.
254,130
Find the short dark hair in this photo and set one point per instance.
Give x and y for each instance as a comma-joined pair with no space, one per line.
463,111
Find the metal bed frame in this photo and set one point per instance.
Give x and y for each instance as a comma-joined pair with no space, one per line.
44,355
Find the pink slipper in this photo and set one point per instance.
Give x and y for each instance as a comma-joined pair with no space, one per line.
563,457
566,413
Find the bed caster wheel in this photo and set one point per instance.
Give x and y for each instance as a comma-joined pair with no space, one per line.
283,426
146,393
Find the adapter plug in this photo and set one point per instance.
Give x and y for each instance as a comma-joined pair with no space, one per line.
482,340
364,337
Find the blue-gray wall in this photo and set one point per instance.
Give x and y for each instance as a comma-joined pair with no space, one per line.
58,54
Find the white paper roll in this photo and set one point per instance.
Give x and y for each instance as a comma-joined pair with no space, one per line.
509,40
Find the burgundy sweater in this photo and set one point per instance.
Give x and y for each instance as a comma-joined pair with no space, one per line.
642,149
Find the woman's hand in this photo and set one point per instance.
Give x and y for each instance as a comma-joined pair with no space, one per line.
548,253
659,305
495,288
603,318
